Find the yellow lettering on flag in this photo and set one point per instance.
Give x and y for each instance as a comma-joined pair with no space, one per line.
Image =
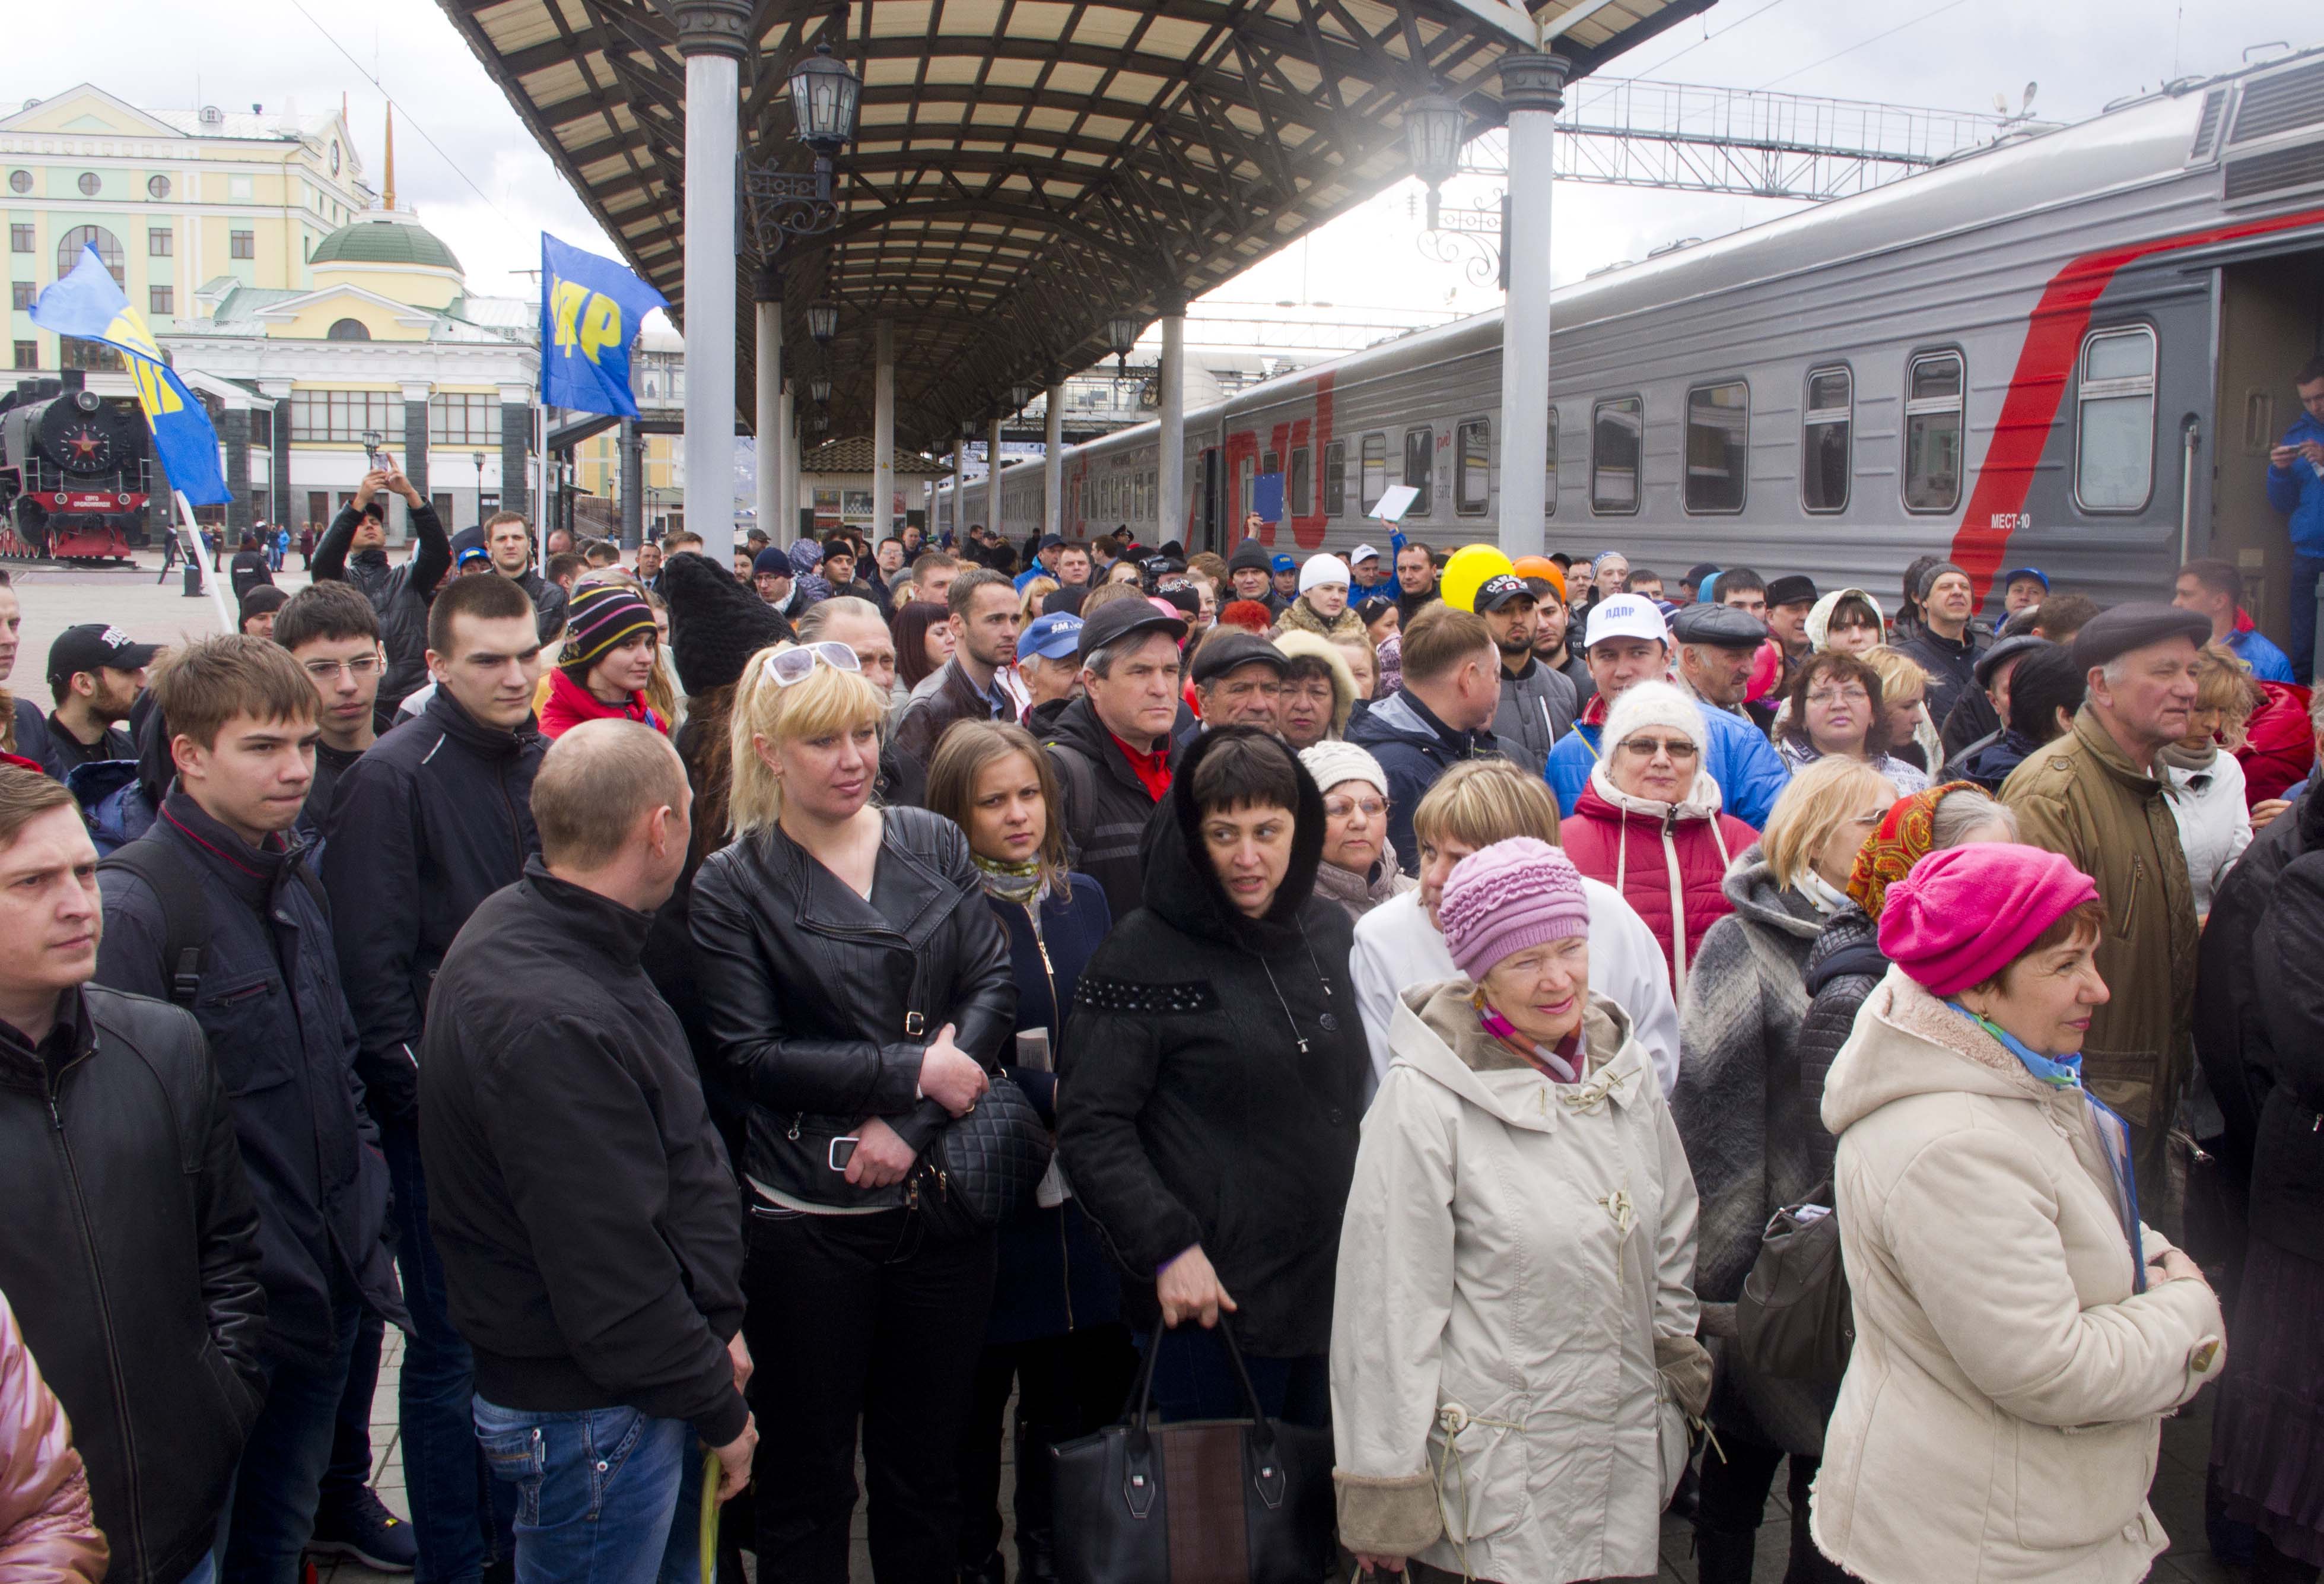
601,326
565,300
128,330
155,394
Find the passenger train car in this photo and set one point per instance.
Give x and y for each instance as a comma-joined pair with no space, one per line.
2071,349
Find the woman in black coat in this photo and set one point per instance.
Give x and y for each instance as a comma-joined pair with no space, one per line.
858,988
1213,1082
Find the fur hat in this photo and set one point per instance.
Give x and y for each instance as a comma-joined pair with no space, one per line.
716,624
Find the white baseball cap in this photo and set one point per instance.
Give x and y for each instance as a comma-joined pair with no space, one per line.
1361,555
1625,615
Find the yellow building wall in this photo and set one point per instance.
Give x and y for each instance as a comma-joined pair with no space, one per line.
423,288
314,323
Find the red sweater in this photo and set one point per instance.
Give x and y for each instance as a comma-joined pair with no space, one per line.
1672,872
569,704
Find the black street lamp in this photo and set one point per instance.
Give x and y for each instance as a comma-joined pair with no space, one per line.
1432,137
819,387
822,320
784,204
1121,333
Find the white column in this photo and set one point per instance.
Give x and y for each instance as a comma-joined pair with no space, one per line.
883,430
1533,91
959,491
992,477
711,39
1053,465
767,410
1170,464
786,454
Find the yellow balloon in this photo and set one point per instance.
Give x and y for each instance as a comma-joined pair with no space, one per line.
1471,565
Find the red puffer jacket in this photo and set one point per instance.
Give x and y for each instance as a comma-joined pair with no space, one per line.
48,1529
2279,745
1668,860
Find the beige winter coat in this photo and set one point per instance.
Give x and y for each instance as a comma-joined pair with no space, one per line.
1999,1419
1513,1350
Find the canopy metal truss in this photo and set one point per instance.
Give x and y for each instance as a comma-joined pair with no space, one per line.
1023,170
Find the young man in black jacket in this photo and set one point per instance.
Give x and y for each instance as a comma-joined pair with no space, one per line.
434,818
399,594
130,1248
588,1222
212,909
508,539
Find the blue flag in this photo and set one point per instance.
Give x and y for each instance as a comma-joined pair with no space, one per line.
87,304
590,311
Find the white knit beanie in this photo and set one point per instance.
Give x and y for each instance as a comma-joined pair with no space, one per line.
1654,704
1332,762
1324,568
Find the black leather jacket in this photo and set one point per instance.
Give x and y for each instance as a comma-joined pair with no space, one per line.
821,1004
130,1253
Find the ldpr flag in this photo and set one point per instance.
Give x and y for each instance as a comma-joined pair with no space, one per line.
87,303
590,311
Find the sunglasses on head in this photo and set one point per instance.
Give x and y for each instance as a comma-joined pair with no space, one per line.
790,667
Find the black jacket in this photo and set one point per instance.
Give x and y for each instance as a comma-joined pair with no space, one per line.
399,594
1989,760
1973,720
823,1005
277,1026
589,1225
248,570
1104,806
1844,964
1952,666
433,818
61,753
1215,1068
130,1253
549,602
1414,748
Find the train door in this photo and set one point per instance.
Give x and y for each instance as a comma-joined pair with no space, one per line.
2270,321
1213,509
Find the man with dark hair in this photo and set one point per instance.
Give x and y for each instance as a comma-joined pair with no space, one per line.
650,565
564,1082
2045,692
1552,644
1415,581
213,904
2214,590
1948,641
130,1249
1537,703
433,818
598,555
1238,678
1442,715
1112,746
2061,615
932,577
1744,589
508,538
560,541
1644,580
399,594
96,673
1046,552
2295,488
565,569
974,684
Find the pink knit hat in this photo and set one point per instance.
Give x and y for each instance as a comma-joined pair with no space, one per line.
1511,895
1966,913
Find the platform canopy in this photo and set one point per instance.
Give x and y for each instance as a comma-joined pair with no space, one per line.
1024,171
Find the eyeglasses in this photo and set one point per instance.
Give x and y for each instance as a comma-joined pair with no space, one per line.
1341,807
1647,747
1839,696
327,671
788,667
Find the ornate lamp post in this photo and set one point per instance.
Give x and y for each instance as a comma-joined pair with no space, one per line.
1432,137
822,321
784,204
1121,333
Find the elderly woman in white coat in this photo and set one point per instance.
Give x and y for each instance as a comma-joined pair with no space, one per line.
1511,1398
2020,1330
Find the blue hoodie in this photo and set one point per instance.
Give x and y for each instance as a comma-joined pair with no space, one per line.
2297,493
1749,773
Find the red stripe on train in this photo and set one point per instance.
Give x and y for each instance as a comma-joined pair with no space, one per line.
2053,339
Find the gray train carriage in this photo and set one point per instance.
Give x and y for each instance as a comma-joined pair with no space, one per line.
2071,350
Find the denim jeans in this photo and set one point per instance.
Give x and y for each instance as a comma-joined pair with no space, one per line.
350,1469
604,1495
2305,571
206,1570
280,1477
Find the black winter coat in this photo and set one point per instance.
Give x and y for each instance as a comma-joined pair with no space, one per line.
1105,827
1844,966
278,1028
549,601
823,1005
433,818
130,1253
589,1224
1213,1081
399,595
1951,667
1414,748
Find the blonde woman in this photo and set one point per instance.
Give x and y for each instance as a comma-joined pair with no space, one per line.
1904,704
858,988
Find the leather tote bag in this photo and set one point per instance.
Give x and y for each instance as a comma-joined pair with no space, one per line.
1221,1501
1795,1319
982,1168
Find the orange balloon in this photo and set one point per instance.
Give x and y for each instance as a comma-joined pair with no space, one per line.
1542,567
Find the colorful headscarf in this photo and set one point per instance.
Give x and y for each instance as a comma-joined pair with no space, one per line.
1908,834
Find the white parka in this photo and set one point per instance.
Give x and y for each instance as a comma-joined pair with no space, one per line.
2000,1415
1513,1356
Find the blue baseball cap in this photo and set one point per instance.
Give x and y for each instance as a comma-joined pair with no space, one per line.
473,552
2035,573
1284,563
1053,637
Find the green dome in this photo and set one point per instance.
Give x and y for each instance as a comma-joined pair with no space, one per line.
385,242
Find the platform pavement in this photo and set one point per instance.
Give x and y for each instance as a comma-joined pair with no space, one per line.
55,598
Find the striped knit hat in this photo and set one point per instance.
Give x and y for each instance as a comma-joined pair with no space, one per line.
601,617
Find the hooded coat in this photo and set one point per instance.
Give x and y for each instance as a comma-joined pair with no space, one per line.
1668,860
1299,616
2002,1410
2279,743
1213,1080
1509,1400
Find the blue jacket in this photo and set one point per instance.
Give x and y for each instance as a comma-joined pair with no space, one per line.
1749,773
2262,658
2297,493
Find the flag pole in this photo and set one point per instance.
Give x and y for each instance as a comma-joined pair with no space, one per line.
190,540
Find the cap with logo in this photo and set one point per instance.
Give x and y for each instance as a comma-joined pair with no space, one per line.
1361,555
1498,590
1284,563
1625,616
95,646
1053,637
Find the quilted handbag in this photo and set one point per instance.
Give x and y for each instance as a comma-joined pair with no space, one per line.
1795,1317
1221,1501
982,1168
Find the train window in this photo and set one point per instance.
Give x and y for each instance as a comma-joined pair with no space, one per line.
1268,462
1825,427
1717,445
1549,484
1374,484
2113,456
108,251
1617,432
1335,480
1301,486
1472,475
1419,467
1933,384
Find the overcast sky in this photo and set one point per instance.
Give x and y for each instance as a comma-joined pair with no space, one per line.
481,183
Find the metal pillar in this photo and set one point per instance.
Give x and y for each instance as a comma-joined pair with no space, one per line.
1170,464
713,36
236,433
415,444
786,456
992,475
883,431
959,489
279,477
1533,90
634,485
516,444
1053,464
767,410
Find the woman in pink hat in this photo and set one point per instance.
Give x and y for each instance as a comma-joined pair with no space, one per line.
2020,1330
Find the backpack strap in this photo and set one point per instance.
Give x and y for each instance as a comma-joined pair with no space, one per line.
185,913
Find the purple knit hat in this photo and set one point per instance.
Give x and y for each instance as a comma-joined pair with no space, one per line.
1511,895
1966,913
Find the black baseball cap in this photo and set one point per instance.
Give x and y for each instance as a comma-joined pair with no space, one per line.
1498,590
94,646
1110,624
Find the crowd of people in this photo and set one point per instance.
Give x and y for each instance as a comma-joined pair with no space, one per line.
869,1003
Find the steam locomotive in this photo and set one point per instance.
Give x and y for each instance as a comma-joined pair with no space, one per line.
75,472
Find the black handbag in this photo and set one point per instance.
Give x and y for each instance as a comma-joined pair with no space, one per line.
1217,1500
1794,1319
982,1168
